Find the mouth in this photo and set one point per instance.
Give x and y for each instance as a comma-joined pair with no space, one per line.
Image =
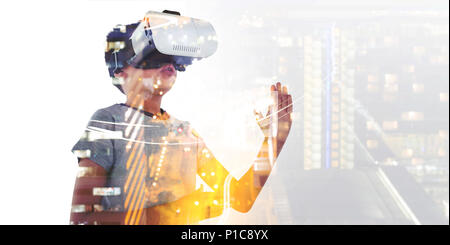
168,70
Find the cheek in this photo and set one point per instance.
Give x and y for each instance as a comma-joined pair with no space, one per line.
148,83
149,73
169,82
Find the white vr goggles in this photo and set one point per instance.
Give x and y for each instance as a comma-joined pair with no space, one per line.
167,35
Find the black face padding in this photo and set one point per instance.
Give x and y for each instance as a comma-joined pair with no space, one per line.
157,60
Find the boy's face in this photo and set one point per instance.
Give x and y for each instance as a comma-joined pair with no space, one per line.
155,82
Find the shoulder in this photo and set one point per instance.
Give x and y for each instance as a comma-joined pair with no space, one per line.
104,117
109,112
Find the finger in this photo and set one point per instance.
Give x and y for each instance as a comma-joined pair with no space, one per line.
284,90
269,111
291,106
273,88
258,114
279,101
284,104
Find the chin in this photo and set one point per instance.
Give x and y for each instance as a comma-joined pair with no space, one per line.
160,92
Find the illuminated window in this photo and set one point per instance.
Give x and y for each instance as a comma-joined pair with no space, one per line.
390,83
390,87
115,45
334,154
335,89
439,59
418,50
418,87
389,97
390,162
416,161
370,125
335,100
308,152
412,116
407,153
372,144
443,134
285,41
388,40
334,117
335,163
334,145
335,108
371,78
300,42
443,97
390,125
442,152
334,136
372,88
390,78
282,70
335,126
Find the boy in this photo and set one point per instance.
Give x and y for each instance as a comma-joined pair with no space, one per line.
138,164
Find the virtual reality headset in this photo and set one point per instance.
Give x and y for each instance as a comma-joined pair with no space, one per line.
158,39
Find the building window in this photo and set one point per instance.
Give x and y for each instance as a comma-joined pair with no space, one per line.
390,78
335,163
335,108
443,97
418,87
419,50
412,116
372,88
407,153
443,134
334,146
416,161
334,154
335,126
391,87
371,78
442,152
334,136
335,90
390,125
389,97
371,125
372,144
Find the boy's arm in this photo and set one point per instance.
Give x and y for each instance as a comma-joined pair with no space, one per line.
86,207
242,193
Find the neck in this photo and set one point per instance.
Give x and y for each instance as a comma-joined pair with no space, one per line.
150,103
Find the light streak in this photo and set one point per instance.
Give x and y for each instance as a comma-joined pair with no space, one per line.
226,199
125,124
151,143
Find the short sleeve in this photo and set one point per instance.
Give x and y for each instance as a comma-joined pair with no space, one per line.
96,143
